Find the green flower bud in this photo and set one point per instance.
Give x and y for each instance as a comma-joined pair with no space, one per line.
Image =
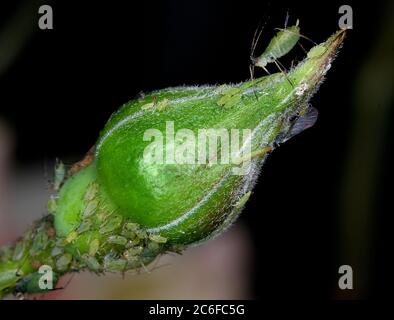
172,168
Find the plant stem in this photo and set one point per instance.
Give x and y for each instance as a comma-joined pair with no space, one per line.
27,254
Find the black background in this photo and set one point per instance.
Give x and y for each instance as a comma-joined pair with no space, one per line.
60,91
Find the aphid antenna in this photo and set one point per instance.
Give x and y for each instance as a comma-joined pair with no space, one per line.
287,18
255,40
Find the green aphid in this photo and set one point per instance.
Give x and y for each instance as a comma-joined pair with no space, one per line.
133,252
157,238
141,234
151,250
60,174
92,191
130,226
71,236
31,283
94,247
63,262
147,106
103,215
153,246
115,265
230,98
91,262
111,225
134,263
242,201
163,104
84,226
49,261
61,242
132,243
90,209
56,251
39,243
52,205
280,45
131,258
230,101
128,234
129,230
119,240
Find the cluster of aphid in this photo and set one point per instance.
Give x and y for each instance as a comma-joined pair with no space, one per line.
121,245
39,246
113,244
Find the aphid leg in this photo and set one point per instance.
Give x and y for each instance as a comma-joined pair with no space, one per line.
309,39
283,70
281,66
155,263
266,70
251,71
303,49
145,268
